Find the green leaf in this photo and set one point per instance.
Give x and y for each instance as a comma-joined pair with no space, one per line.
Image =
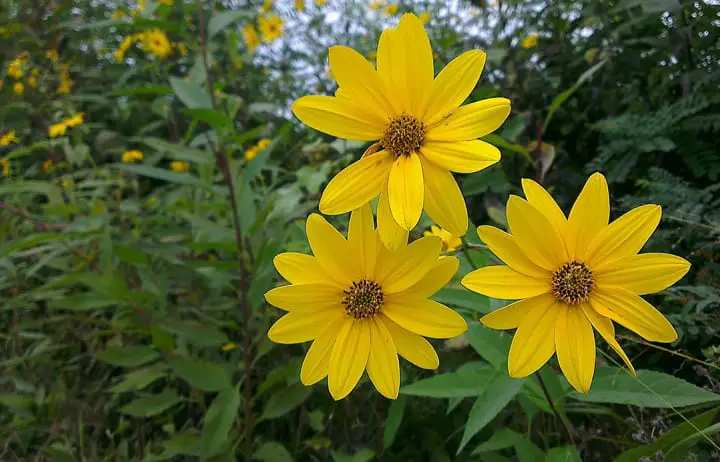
198,334
199,373
191,94
285,401
141,378
219,22
272,451
562,97
463,299
165,175
215,119
53,193
501,390
525,450
678,451
452,385
128,356
492,345
563,454
152,405
219,421
649,389
84,302
393,421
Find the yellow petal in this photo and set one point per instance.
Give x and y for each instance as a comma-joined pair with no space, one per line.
411,346
331,250
317,360
305,297
534,340
623,237
406,191
437,278
645,273
359,80
390,53
423,316
357,184
453,85
363,239
471,121
606,329
535,235
509,317
506,249
575,345
461,156
383,366
404,268
505,283
349,357
393,235
543,201
299,327
444,202
589,215
298,268
631,311
340,117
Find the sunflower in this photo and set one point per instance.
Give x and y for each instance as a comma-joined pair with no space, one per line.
572,275
362,305
271,27
423,132
450,242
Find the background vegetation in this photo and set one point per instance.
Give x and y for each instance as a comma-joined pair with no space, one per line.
133,325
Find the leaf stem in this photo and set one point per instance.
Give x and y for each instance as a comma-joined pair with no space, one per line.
565,424
466,251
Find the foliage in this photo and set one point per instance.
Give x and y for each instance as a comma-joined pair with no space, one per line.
134,323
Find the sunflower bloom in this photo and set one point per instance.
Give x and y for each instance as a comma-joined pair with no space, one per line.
8,138
531,41
450,242
572,275
362,305
271,27
132,156
250,37
424,134
179,166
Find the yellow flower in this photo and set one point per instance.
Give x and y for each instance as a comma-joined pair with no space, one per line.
424,17
179,166
320,2
228,347
33,81
52,55
300,5
58,129
74,121
129,157
530,41
376,4
47,165
5,164
450,241
263,143
423,132
8,138
65,86
362,305
251,153
250,37
118,14
18,88
267,6
572,275
270,27
156,42
391,9
182,48
15,69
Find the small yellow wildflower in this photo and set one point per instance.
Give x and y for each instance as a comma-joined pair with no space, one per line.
300,5
5,164
228,347
263,143
19,88
179,166
530,41
129,157
15,69
271,27
267,6
52,55
424,17
391,9
251,153
58,129
250,37
157,43
74,121
376,4
320,2
450,242
65,86
47,165
117,14
8,138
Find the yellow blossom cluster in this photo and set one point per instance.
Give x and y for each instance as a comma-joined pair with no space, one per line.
60,128
8,138
250,37
254,150
130,157
179,166
153,41
530,41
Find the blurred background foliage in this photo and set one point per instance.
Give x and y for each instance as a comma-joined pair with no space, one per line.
133,327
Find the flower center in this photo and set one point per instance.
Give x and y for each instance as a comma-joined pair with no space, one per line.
572,283
403,135
363,299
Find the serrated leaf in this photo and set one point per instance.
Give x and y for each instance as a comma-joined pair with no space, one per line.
219,421
199,373
152,405
285,401
127,356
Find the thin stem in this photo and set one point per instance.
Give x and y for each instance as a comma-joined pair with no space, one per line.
244,285
380,426
565,425
466,251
